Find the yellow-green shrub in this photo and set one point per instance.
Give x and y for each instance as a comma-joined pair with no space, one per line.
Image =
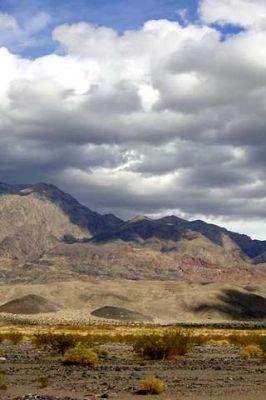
81,355
251,350
151,385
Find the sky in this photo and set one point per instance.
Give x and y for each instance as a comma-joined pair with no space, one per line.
151,107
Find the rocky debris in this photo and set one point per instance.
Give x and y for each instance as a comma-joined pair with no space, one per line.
200,372
44,397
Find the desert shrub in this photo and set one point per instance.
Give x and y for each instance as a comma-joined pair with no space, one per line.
259,340
102,353
242,340
81,355
42,340
200,340
166,346
43,381
251,351
58,343
262,343
250,339
14,337
151,385
3,385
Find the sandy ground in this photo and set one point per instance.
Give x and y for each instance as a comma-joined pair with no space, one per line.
209,372
162,301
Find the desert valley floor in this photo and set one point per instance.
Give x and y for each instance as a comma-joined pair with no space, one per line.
215,370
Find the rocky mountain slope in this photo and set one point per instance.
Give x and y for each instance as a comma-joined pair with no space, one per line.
47,235
35,217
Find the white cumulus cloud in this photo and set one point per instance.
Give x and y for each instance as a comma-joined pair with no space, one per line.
245,13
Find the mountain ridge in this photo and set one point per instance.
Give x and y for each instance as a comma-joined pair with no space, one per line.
47,234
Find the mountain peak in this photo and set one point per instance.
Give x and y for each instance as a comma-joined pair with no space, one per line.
138,218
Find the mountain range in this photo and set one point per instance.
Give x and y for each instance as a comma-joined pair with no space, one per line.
47,235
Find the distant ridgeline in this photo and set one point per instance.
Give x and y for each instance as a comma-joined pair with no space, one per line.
46,235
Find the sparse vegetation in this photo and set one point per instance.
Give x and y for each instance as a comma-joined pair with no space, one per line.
220,342
13,337
90,346
3,385
102,353
58,343
166,346
251,351
236,339
43,381
81,355
250,339
151,385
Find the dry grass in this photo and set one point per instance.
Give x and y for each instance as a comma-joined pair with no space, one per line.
58,338
220,342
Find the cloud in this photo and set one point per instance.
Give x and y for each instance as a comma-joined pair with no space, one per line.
163,118
20,35
7,22
38,22
245,13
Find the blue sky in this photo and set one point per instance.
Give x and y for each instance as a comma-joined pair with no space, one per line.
120,15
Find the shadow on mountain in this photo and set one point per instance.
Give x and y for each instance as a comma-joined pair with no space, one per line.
236,304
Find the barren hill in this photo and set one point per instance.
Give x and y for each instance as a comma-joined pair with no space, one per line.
157,301
46,235
29,304
120,314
